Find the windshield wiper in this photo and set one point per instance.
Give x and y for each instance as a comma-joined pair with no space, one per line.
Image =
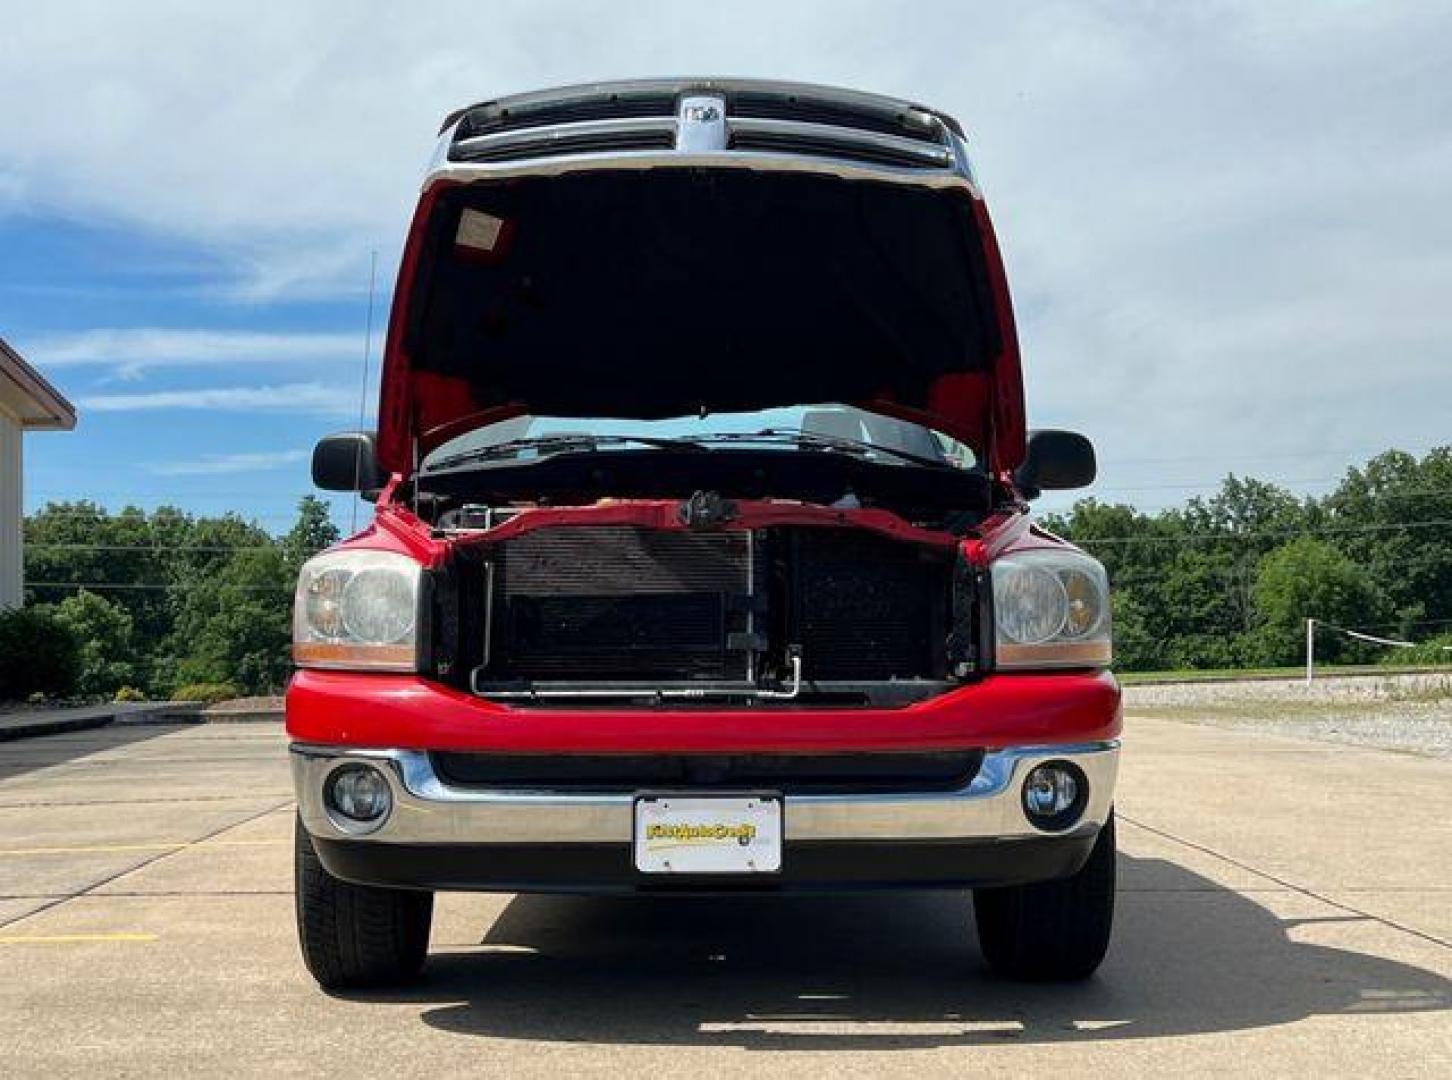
818,441
556,444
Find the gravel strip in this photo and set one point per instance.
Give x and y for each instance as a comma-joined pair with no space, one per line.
1411,713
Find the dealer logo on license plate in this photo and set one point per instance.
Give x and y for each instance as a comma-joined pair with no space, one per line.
711,835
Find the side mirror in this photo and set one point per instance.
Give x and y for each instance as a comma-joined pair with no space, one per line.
347,462
1056,461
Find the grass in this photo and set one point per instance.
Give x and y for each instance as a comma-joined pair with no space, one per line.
1131,678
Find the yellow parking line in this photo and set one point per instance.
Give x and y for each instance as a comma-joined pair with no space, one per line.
72,939
92,849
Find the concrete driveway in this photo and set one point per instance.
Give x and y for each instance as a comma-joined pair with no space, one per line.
1285,909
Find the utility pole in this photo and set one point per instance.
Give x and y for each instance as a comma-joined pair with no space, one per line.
1310,649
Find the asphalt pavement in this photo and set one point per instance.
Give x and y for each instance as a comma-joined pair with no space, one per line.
1285,909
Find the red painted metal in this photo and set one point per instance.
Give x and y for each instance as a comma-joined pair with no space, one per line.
750,514
407,712
395,394
396,528
984,409
1007,429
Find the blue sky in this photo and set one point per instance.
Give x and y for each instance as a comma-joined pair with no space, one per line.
1226,224
188,394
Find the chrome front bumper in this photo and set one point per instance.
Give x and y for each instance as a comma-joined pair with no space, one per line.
427,811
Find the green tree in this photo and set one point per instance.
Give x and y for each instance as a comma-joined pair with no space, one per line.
313,532
1184,579
1308,578
233,621
38,654
178,579
1180,593
1253,510
104,633
76,545
1391,519
1196,607
233,627
1136,647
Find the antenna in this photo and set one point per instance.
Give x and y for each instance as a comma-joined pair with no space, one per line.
363,390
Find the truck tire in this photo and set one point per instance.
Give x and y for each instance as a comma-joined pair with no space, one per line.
1052,931
356,936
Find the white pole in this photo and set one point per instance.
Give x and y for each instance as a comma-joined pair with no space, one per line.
1310,649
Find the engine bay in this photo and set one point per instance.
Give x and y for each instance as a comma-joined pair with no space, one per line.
948,499
703,611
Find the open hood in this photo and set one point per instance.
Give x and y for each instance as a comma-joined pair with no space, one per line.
668,292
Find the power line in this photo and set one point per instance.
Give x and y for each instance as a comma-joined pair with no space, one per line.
182,518
100,492
1270,535
181,586
1193,485
66,509
1412,449
155,548
1369,497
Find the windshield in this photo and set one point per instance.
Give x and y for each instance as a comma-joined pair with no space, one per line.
795,428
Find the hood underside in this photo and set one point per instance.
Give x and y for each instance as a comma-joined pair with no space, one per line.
674,292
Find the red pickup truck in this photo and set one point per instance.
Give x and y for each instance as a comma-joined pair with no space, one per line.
701,558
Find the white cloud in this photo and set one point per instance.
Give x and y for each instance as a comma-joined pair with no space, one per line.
133,350
294,397
1225,222
226,464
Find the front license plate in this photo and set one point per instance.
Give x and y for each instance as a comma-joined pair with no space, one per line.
711,835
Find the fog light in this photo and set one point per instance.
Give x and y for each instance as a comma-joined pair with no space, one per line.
1054,795
358,796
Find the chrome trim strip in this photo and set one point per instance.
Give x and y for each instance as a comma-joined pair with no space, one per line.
545,136
962,162
930,154
429,811
463,172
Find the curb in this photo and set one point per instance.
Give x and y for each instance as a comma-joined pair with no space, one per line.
25,726
202,716
255,716
11,732
194,714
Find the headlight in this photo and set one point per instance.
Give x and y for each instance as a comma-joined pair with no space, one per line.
357,609
1051,609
